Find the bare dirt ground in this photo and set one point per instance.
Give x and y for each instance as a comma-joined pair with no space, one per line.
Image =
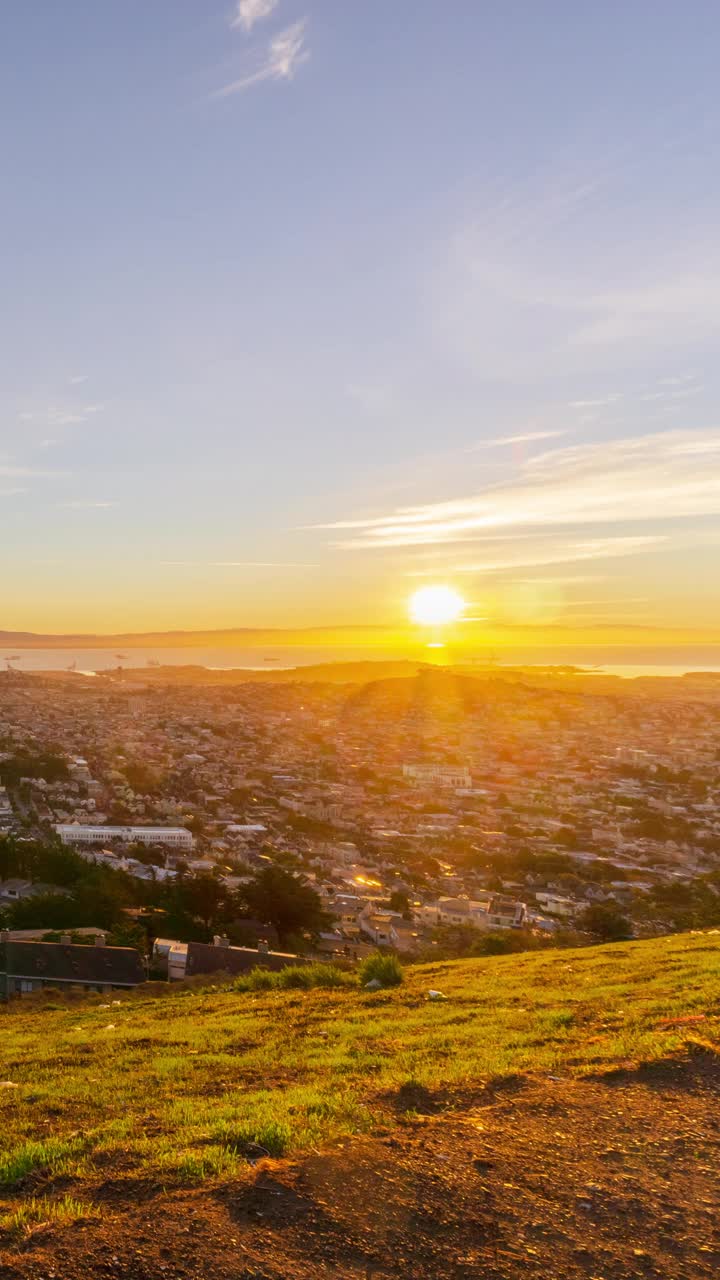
611,1179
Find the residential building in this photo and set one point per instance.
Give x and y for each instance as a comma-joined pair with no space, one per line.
33,966
220,957
437,775
81,833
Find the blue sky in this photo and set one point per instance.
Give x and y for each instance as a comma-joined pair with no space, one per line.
285,281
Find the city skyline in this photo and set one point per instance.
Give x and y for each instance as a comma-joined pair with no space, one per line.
312,305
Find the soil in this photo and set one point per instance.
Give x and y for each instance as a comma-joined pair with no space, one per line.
615,1178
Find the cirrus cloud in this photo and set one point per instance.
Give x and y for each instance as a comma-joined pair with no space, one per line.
651,479
285,53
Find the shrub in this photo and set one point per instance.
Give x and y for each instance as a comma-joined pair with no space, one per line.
386,969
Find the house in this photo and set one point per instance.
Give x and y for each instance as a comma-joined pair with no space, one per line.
18,890
170,957
403,937
34,966
555,905
491,912
219,957
378,925
334,944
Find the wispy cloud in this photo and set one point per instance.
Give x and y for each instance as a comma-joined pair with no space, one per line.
677,393
652,478
531,552
248,12
77,379
241,564
81,505
600,403
285,53
61,415
553,277
526,438
12,472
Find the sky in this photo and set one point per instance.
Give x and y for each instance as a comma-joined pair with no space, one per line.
308,304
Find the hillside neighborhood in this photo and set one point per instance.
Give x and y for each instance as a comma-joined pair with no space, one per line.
441,814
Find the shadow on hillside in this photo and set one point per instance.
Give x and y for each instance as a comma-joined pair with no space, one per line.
413,1097
697,1067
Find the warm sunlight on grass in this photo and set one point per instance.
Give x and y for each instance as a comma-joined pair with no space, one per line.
188,1085
436,606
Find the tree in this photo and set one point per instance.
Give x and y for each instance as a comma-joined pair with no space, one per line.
53,768
399,902
46,911
203,898
141,779
285,900
605,922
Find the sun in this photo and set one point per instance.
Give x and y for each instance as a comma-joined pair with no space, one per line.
435,606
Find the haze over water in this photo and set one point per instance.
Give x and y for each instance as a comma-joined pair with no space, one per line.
276,657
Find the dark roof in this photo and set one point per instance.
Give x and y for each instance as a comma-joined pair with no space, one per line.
202,957
251,930
57,962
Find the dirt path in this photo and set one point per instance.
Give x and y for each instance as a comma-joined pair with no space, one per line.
610,1180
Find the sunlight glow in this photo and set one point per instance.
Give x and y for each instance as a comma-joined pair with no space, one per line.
435,606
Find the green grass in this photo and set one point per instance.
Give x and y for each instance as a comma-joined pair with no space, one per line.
45,1212
193,1084
296,978
52,1156
381,968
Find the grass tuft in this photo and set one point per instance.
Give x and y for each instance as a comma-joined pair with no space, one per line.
52,1156
294,978
381,968
249,1140
45,1212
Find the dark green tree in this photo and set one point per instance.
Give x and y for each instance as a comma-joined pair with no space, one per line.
285,900
605,922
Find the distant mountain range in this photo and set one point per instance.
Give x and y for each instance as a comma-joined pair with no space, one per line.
232,637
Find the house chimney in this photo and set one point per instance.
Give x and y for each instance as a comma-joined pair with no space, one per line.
263,947
65,940
221,941
99,939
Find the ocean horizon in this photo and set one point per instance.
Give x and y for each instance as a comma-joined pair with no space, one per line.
279,657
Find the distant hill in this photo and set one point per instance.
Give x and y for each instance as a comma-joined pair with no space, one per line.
554,1115
229,637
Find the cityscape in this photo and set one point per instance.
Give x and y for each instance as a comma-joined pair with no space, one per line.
438,813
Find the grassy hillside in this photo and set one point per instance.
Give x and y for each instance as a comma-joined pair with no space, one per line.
181,1086
189,1089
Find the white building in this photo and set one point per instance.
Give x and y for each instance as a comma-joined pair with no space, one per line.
82,833
557,906
492,912
438,775
6,810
